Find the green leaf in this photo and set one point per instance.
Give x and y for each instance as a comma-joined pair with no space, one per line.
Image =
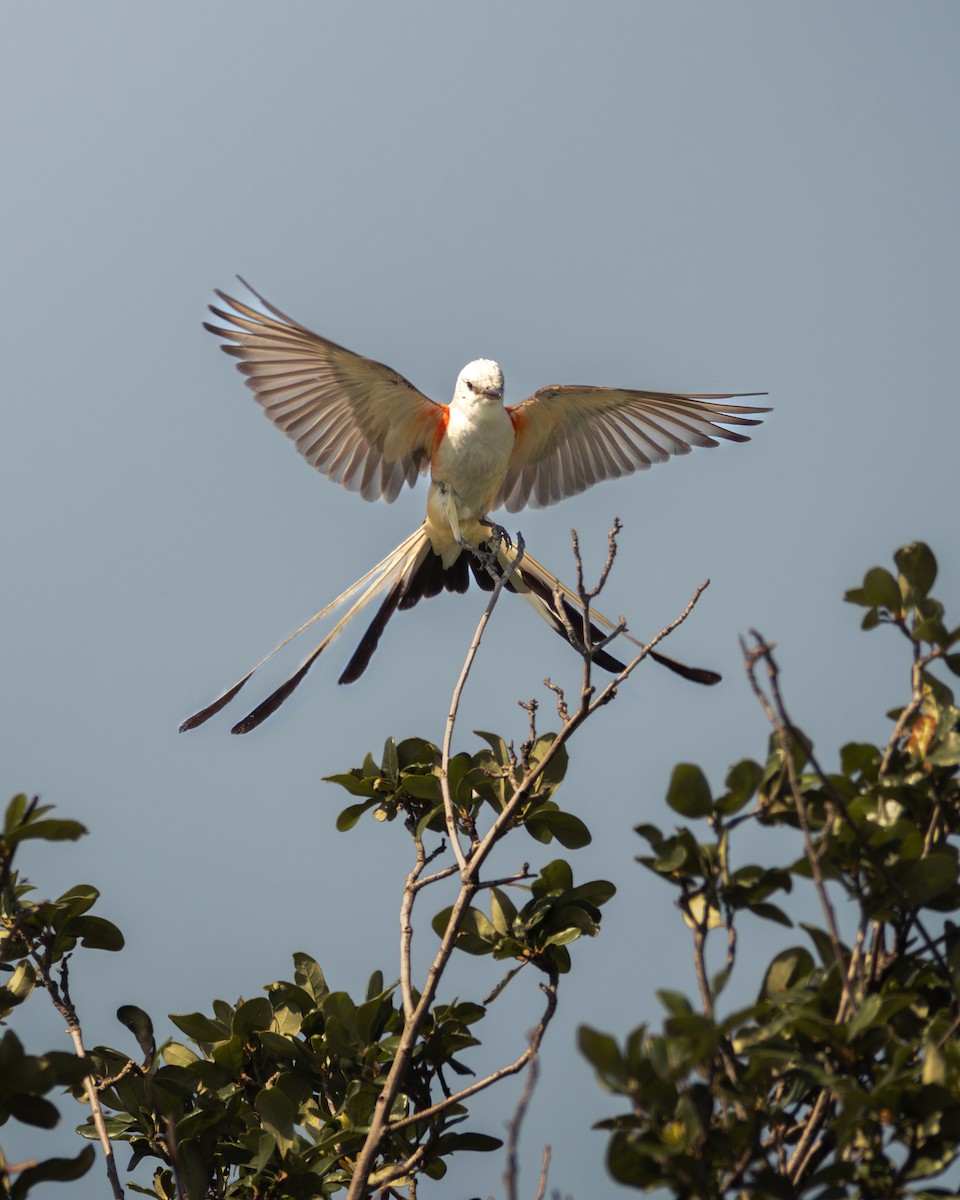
503,912
821,940
876,1010
140,1025
78,900
422,787
278,1114
53,830
252,1015
59,1170
96,934
879,590
16,810
554,879
924,880
200,1028
569,830
389,763
449,1143
178,1055
308,974
352,814
603,1054
497,745
742,782
918,566
860,758
33,1110
789,968
689,792
931,630
770,912
354,783
871,618
676,1003
19,986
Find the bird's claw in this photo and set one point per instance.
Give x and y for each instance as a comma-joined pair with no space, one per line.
500,535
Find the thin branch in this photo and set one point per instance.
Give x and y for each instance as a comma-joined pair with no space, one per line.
562,711
63,1005
544,1170
507,880
15,1168
777,715
550,990
608,565
448,806
436,876
807,1148
512,1170
393,1171
406,928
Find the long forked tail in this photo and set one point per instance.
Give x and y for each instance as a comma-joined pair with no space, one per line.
413,572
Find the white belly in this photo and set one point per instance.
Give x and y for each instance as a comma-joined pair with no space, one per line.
472,458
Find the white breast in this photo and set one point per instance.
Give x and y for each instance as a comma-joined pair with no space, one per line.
473,456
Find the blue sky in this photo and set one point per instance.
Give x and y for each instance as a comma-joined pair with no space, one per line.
680,196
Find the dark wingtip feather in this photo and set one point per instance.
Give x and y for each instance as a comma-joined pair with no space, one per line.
212,709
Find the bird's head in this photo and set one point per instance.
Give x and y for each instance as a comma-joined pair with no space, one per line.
480,380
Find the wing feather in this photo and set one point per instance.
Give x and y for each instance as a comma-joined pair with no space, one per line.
571,437
357,421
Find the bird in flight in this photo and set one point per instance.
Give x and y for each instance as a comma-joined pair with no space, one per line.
368,428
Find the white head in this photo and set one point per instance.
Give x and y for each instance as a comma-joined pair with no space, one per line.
480,380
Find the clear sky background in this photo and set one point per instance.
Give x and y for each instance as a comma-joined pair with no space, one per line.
680,196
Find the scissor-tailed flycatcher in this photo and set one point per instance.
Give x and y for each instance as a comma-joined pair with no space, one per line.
368,428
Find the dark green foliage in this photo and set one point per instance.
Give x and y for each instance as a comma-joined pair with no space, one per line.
557,913
843,1076
274,1096
35,938
407,783
836,1072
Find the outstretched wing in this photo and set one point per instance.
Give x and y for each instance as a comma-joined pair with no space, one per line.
571,437
356,420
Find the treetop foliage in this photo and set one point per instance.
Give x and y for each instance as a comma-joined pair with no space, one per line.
839,1074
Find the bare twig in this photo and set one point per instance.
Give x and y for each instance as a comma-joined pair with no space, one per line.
544,1171
507,880
449,811
16,1168
512,1170
562,711
807,1148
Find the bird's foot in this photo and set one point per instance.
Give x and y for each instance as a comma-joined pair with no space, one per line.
485,554
500,535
